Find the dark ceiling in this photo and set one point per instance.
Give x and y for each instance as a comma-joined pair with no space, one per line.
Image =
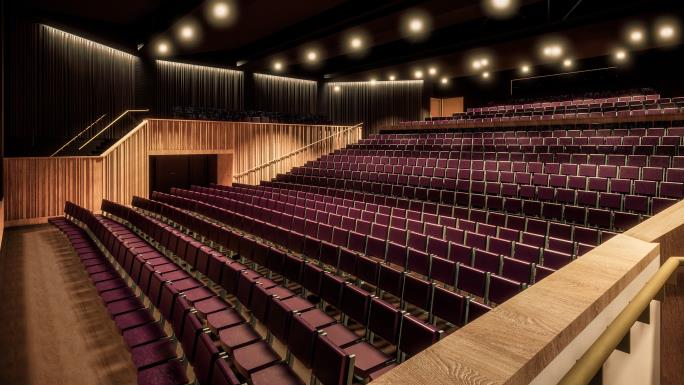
265,30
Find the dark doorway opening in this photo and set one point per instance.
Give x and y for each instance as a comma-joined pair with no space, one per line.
181,171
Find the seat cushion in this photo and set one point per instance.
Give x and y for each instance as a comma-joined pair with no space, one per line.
143,334
339,335
169,373
379,372
116,294
317,318
210,305
277,374
152,353
123,306
368,358
223,319
133,319
237,337
254,357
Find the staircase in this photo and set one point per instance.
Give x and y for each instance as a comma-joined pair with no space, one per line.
101,134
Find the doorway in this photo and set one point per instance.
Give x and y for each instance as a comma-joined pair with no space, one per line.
182,171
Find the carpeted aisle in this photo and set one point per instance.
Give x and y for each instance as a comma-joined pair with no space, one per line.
53,326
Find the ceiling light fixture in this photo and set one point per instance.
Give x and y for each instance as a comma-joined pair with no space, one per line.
416,25
221,10
525,69
567,63
432,71
392,77
278,66
418,74
636,36
356,43
620,55
666,32
312,56
336,88
445,80
485,75
187,32
163,48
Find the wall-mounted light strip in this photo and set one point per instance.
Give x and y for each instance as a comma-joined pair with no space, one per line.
109,125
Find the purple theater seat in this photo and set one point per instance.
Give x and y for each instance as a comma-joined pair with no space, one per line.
416,335
501,289
169,373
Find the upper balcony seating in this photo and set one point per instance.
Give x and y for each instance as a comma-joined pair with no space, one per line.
638,105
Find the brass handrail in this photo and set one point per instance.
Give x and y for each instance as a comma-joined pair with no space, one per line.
109,125
593,359
294,152
77,135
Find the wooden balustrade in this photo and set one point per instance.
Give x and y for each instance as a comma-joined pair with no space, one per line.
36,188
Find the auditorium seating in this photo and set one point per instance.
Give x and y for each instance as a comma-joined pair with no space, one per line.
288,316
619,107
152,353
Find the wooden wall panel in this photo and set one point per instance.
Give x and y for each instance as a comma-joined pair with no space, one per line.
36,188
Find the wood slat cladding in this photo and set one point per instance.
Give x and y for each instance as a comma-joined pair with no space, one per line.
263,143
36,188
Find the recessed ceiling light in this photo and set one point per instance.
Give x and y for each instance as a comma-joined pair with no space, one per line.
311,56
432,71
485,75
636,36
416,25
336,88
666,32
278,66
163,48
418,74
484,62
373,81
500,4
620,55
477,65
567,63
392,77
525,69
356,43
221,10
445,80
187,32
553,51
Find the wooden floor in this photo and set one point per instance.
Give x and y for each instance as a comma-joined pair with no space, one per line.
53,326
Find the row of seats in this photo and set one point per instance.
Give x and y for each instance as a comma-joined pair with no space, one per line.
365,207
512,156
566,175
535,132
155,359
286,315
311,219
391,246
380,275
614,160
461,195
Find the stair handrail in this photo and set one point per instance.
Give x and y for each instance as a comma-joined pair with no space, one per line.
78,135
295,151
111,124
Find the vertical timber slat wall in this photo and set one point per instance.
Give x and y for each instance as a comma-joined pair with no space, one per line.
37,188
